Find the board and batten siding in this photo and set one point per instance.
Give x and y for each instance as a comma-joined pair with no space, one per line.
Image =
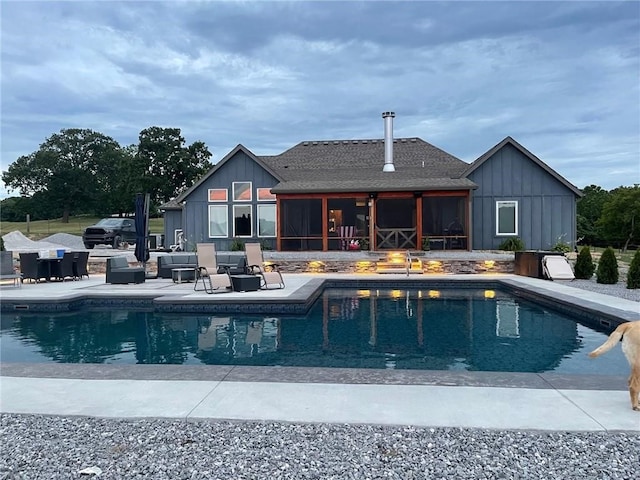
546,207
195,216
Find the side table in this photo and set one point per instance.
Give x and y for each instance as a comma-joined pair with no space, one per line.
182,275
245,283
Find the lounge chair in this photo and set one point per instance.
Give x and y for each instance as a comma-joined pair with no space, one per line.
269,272
557,267
207,270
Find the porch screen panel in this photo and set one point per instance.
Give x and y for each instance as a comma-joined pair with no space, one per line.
301,224
348,220
444,221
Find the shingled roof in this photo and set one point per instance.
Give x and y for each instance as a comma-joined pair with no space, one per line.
356,166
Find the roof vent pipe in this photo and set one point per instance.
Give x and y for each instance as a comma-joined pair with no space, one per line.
388,142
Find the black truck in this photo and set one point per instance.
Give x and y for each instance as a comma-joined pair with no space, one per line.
110,231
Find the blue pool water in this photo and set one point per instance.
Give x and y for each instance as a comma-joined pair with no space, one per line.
474,330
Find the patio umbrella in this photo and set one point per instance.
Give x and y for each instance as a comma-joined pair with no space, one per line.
142,227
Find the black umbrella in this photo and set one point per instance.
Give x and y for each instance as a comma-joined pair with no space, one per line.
142,226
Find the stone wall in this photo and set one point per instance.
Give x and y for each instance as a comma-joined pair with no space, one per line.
357,265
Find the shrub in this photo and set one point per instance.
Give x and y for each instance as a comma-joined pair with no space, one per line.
561,247
1,244
607,272
584,266
633,275
426,246
236,245
512,244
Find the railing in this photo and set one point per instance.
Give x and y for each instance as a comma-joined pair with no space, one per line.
396,238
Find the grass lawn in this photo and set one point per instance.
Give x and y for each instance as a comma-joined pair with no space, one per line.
39,229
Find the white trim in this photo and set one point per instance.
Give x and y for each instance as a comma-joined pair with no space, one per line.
226,217
250,190
258,217
250,207
500,203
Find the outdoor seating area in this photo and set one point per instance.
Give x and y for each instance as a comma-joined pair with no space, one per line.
59,267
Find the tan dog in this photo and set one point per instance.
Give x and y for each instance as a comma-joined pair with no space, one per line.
629,334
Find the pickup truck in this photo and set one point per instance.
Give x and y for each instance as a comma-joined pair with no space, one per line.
110,231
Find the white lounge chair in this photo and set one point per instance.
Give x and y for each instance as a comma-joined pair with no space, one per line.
557,267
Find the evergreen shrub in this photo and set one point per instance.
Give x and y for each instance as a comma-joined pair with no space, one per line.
633,275
607,271
584,266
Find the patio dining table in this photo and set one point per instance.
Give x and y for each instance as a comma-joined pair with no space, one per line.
49,266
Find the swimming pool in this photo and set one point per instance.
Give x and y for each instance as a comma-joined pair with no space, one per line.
445,329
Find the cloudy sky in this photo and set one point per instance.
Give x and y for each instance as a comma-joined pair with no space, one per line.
562,78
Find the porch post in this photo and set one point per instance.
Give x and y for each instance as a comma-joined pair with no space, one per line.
372,222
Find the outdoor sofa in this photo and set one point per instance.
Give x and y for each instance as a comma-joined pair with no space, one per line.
119,272
166,263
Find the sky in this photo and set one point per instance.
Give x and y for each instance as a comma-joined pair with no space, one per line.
561,78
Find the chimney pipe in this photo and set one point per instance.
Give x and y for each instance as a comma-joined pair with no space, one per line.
388,142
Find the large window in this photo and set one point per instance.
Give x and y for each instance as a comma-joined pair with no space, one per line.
507,218
242,221
218,221
267,220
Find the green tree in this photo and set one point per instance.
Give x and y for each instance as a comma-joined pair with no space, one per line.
164,166
65,171
607,271
633,275
620,219
589,211
584,266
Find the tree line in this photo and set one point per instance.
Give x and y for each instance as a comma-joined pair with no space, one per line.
609,218
80,171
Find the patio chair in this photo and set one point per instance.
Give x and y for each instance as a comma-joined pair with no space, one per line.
207,270
269,272
30,268
64,268
80,265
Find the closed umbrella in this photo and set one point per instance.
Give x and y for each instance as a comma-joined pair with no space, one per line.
142,226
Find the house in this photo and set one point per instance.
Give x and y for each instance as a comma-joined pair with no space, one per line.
378,194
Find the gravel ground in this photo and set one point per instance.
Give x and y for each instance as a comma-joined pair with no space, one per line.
36,447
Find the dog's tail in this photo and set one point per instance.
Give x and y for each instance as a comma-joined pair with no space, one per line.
614,338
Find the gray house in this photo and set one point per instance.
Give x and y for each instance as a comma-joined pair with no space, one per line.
378,194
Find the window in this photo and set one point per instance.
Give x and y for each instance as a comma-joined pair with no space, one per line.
242,220
217,194
218,222
507,218
265,195
266,220
241,191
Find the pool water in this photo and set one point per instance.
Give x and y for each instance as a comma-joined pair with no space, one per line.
473,330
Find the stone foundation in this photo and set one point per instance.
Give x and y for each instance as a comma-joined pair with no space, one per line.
365,265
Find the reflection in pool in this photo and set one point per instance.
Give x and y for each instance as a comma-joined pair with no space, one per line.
475,330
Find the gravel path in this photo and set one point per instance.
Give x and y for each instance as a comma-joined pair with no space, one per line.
36,447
